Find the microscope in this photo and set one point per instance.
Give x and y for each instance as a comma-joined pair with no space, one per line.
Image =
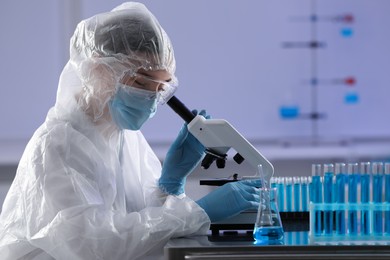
218,136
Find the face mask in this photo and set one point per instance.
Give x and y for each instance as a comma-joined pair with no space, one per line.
131,107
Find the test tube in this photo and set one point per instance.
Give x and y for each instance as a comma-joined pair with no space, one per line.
328,187
334,191
304,191
310,182
387,197
353,175
340,171
289,194
273,182
297,193
280,188
316,196
365,176
377,188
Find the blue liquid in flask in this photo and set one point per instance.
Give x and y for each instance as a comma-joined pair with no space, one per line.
264,234
268,227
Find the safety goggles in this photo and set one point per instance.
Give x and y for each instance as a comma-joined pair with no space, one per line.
163,90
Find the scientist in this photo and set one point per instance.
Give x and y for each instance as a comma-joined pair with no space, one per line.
88,185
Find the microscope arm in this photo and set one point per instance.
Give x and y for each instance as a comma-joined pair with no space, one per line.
218,135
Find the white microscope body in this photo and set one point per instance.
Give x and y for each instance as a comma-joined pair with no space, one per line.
218,136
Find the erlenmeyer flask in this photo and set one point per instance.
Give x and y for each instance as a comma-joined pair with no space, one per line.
268,226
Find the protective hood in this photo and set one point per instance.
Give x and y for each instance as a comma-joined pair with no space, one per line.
104,48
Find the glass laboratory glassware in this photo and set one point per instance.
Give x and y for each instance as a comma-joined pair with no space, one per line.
297,193
387,197
316,196
280,190
289,194
377,189
340,172
268,227
304,193
328,188
353,177
365,180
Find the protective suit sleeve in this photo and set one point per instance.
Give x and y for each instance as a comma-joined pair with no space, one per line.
70,208
95,233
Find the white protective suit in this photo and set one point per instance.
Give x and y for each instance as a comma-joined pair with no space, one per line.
85,189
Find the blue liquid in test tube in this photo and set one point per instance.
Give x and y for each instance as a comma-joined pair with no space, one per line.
387,197
310,182
297,193
340,171
328,187
304,191
316,196
377,188
289,194
353,175
280,189
273,182
365,180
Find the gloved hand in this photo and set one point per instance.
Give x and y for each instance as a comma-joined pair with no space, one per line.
183,156
231,199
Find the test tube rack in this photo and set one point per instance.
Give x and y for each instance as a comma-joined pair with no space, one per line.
350,202
359,213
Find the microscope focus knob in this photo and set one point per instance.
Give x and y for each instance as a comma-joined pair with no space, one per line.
207,161
221,163
238,158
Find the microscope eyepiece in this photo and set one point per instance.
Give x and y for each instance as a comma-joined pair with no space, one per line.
207,161
181,109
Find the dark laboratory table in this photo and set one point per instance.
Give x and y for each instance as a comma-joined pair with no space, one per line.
295,245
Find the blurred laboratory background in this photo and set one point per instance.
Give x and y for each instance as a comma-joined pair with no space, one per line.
305,81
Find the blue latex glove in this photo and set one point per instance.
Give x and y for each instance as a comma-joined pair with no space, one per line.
231,199
183,156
